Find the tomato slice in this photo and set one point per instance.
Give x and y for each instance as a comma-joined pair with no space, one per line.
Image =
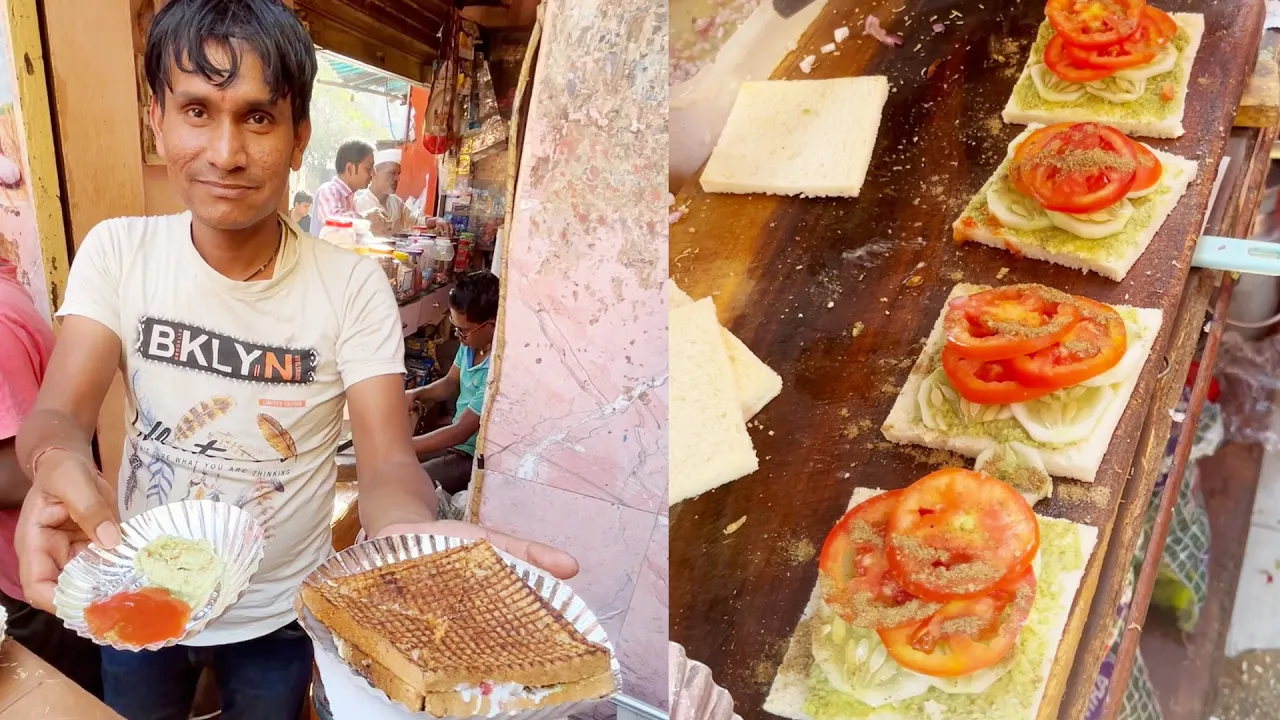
1137,49
1067,67
1095,345
1148,168
1094,23
1002,323
854,574
989,382
1029,148
958,533
965,636
1082,169
1167,26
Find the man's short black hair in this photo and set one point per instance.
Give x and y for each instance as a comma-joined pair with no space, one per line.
182,31
475,295
301,197
352,151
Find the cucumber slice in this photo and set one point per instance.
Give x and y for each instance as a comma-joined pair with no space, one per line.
941,407
1067,416
1053,88
975,682
1020,466
856,663
1094,225
1015,210
1117,89
1129,365
1164,62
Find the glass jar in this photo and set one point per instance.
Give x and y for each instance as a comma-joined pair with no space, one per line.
444,260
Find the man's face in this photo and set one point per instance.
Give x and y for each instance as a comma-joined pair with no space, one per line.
303,209
472,334
360,175
385,178
229,151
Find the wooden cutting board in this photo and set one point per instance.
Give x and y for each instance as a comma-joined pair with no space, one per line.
794,277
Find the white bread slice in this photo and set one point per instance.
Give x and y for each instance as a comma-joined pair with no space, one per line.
792,686
708,441
811,138
1079,461
1111,257
1124,117
755,382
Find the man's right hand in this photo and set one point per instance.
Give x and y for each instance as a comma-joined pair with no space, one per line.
69,505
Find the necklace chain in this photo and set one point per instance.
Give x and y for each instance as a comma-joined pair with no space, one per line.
264,265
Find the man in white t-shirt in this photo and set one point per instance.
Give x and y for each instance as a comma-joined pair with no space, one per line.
240,339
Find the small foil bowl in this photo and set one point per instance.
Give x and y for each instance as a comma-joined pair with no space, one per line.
337,676
694,695
97,573
4,624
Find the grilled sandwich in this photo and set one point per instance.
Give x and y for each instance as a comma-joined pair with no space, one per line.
458,633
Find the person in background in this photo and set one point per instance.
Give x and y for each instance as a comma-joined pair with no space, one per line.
449,451
26,342
301,210
354,165
380,199
230,313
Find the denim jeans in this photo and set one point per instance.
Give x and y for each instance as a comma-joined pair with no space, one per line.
261,679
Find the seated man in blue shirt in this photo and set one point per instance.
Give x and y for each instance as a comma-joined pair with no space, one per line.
448,452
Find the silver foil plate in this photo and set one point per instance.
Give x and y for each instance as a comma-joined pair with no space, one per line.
97,573
694,695
374,554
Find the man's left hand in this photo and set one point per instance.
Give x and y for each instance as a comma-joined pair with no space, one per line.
557,562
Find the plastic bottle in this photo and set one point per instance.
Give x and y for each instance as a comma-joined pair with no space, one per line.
339,231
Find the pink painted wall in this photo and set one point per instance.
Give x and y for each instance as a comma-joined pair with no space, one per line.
575,445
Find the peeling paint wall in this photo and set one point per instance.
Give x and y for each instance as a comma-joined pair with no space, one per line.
575,441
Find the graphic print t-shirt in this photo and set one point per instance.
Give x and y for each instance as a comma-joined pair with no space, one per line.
234,391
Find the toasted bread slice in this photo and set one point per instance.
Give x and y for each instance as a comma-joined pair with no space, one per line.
462,616
464,703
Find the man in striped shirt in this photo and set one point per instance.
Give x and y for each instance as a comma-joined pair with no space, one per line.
354,166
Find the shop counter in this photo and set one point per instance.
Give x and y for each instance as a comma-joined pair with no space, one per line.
31,688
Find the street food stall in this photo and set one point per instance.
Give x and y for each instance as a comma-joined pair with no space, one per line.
838,295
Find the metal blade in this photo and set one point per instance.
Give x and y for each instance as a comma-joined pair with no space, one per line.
787,8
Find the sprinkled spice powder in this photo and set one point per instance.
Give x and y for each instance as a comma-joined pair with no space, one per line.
943,569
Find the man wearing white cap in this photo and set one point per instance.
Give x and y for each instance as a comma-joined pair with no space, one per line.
379,202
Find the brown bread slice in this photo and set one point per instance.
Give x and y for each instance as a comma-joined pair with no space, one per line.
461,616
458,704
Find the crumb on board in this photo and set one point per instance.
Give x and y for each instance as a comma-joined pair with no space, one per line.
856,330
914,281
799,551
1077,493
732,527
1003,271
955,276
853,430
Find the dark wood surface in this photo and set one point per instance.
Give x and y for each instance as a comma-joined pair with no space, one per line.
792,277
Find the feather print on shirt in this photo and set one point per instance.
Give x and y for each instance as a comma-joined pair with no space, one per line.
238,449
131,482
160,470
277,437
204,412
